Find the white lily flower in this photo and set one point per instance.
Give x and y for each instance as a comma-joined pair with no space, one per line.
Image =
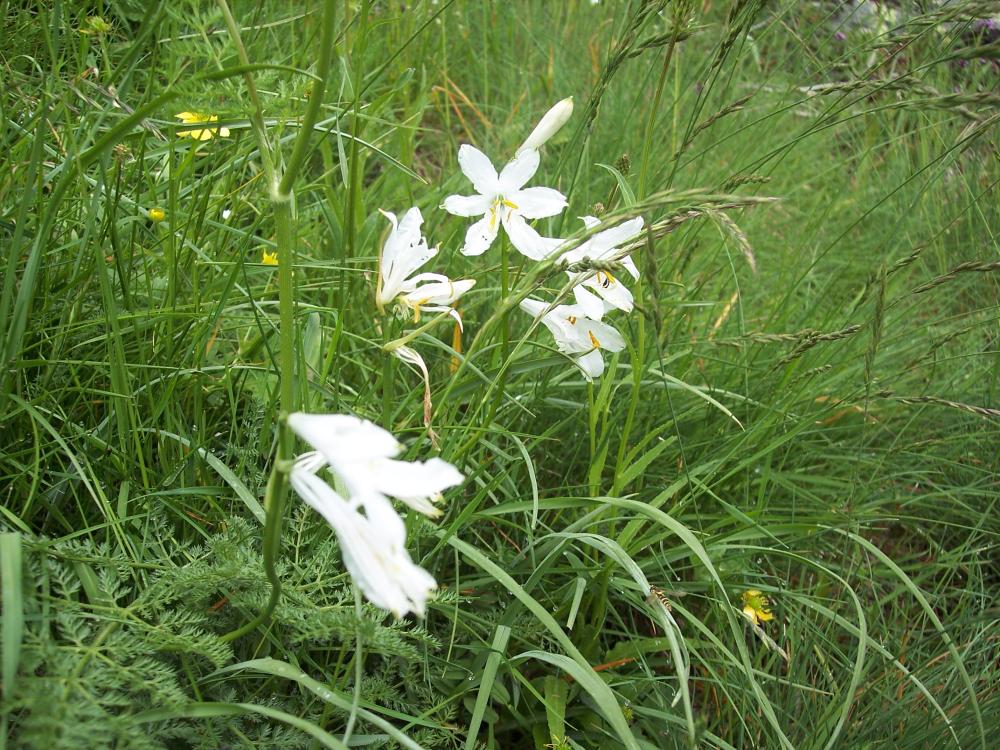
404,252
549,125
577,335
362,455
502,200
597,292
373,544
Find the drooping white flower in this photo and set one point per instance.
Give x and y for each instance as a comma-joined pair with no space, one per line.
362,455
412,357
598,291
373,544
502,200
404,252
549,125
577,335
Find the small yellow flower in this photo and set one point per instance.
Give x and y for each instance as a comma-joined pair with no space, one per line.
200,134
269,259
95,26
756,607
156,214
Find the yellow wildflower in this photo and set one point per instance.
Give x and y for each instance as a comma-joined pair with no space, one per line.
95,26
269,259
156,214
200,134
756,607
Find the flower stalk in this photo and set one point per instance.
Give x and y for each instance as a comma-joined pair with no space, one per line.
282,202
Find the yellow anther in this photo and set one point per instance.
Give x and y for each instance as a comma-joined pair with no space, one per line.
572,320
508,203
605,279
593,340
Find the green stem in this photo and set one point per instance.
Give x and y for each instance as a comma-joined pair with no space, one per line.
256,111
282,201
358,667
638,354
501,380
388,372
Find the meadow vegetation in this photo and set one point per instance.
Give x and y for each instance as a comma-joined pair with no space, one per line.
771,522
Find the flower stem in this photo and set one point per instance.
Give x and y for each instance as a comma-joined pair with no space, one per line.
358,667
504,326
282,201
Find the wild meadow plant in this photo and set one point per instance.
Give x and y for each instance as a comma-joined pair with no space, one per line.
739,492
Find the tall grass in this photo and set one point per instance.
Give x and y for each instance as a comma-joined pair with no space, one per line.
808,404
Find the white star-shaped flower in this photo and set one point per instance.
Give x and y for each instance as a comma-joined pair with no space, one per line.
405,251
502,200
362,455
597,292
373,544
581,337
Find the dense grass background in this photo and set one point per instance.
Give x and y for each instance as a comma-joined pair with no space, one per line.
824,428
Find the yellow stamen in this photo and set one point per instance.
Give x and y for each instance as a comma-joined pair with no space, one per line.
593,340
572,320
607,279
508,203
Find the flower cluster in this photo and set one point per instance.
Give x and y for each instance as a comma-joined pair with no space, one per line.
503,201
361,456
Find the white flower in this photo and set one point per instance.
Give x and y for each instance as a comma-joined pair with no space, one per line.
502,200
577,335
608,293
549,125
373,544
362,455
404,252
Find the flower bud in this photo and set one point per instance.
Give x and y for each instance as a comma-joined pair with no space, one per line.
549,125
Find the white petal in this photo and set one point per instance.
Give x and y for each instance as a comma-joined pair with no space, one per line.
518,171
607,336
611,291
467,205
480,235
409,226
603,242
533,307
417,484
538,202
589,302
342,438
592,364
549,125
526,239
629,265
414,281
590,221
360,559
437,293
564,324
479,169
383,517
405,250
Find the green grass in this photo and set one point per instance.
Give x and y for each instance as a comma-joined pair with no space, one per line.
823,429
